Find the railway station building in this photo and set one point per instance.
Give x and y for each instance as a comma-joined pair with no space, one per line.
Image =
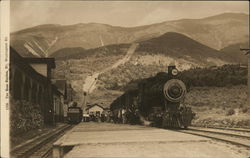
34,100
67,91
94,109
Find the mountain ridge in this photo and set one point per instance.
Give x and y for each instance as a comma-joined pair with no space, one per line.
215,32
127,27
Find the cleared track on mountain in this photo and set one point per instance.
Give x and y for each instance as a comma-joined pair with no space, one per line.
90,81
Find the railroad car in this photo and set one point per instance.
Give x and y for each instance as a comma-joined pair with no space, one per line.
156,100
74,114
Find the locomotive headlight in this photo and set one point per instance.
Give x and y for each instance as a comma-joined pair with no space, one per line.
174,72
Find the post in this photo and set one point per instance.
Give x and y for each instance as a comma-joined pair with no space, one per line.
57,151
248,80
247,52
84,100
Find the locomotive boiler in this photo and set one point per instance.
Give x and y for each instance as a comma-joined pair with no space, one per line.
158,100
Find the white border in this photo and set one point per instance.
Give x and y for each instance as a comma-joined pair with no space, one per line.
4,87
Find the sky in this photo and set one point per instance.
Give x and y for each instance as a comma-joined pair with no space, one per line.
24,14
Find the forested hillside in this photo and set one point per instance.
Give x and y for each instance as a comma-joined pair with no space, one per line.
226,75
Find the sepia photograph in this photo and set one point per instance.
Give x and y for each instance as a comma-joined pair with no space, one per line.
163,79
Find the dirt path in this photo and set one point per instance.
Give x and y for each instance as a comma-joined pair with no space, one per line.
90,81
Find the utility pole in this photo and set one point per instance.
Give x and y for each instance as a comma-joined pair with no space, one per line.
84,100
86,93
247,52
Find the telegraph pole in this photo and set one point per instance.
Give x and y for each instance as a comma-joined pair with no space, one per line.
84,100
247,52
86,93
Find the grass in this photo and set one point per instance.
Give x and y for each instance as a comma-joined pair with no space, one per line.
219,106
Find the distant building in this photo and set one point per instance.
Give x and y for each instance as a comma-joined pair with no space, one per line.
67,91
94,109
65,88
70,94
58,104
61,85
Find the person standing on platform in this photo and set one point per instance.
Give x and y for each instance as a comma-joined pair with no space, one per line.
124,120
119,116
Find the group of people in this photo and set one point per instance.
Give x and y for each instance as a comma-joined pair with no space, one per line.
123,116
97,117
126,115
104,117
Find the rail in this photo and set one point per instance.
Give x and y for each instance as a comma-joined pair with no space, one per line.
232,136
32,146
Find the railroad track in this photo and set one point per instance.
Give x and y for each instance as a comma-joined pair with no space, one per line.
33,148
232,129
239,137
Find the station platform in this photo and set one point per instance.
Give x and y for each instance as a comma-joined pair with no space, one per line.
118,140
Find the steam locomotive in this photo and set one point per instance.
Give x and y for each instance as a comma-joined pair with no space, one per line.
74,114
157,101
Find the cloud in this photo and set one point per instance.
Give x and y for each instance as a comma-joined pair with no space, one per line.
120,13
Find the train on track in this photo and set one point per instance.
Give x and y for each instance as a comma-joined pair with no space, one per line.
156,101
74,114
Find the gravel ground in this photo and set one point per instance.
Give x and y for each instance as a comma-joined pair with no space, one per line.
116,140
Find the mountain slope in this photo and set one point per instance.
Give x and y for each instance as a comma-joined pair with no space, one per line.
154,55
233,51
175,44
179,46
216,32
81,53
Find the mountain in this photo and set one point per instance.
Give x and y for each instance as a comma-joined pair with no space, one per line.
65,52
216,32
154,55
80,53
180,47
233,51
177,45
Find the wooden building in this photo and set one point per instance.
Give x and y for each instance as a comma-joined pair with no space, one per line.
30,81
94,109
67,91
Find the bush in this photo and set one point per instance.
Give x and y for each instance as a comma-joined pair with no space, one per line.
24,116
230,112
245,110
227,75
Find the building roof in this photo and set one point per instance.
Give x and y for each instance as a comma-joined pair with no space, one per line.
92,105
107,108
61,85
17,59
57,92
48,61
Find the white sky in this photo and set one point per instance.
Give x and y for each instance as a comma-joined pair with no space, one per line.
118,13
